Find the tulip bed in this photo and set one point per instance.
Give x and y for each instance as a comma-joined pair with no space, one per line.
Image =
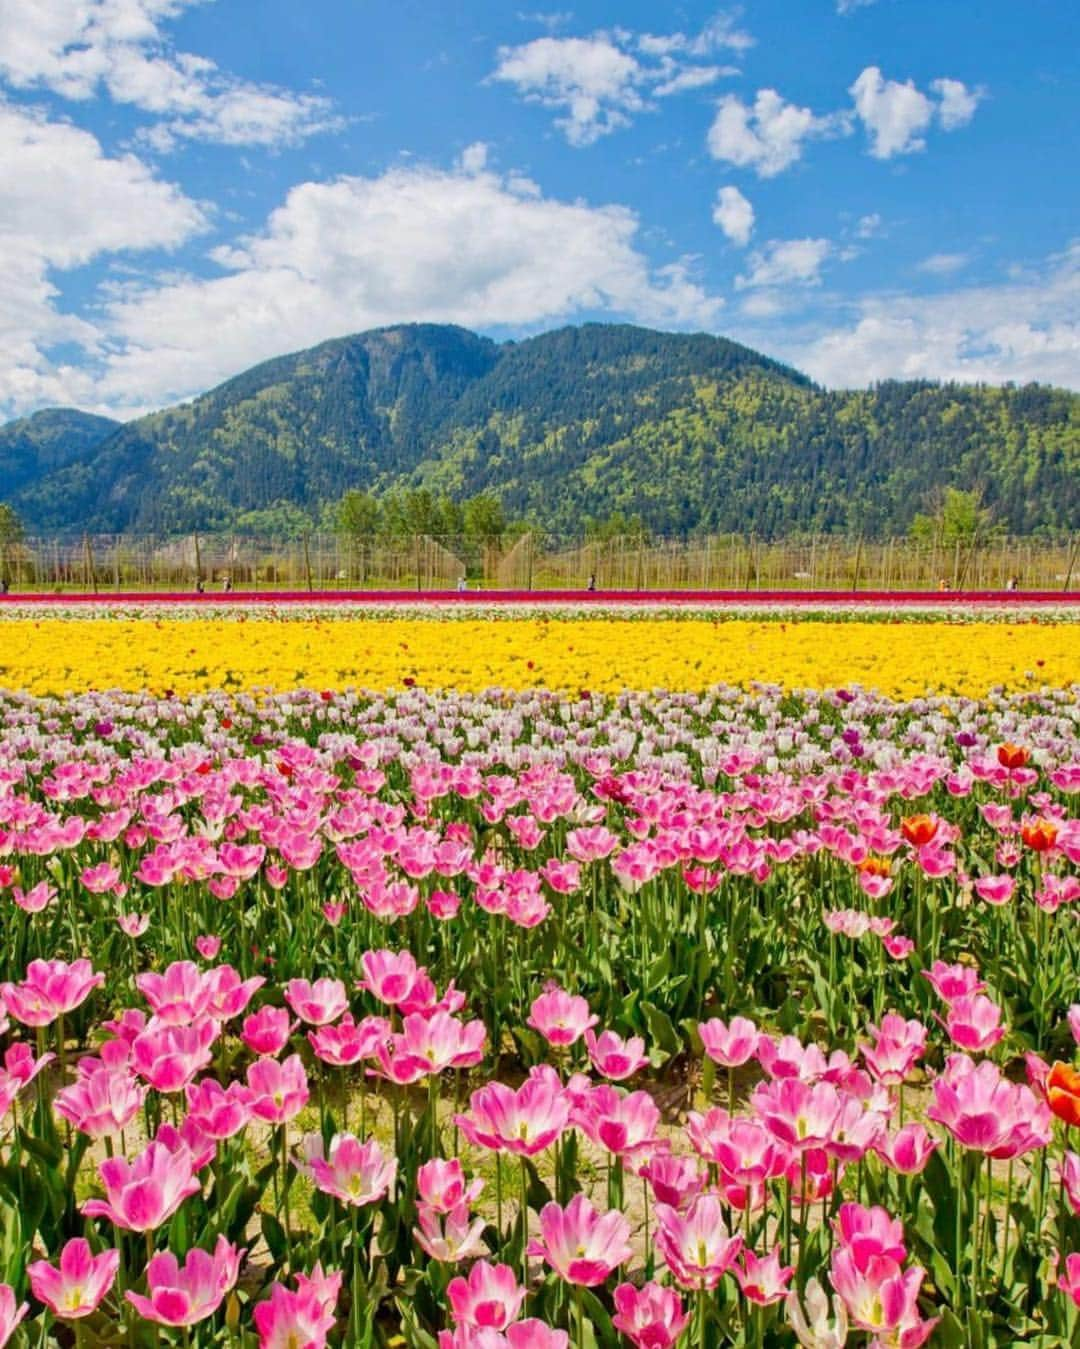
520,1020
905,652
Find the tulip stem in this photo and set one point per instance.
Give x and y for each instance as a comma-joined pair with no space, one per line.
579,1302
524,1224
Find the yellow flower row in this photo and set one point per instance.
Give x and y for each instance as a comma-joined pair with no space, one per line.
52,656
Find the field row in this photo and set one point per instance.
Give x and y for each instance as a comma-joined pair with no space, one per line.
506,1020
607,654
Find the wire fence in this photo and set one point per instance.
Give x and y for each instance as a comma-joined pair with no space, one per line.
328,562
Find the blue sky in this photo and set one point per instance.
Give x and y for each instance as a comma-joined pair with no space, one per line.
866,188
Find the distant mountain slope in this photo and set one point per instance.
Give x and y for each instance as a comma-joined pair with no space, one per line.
691,431
34,447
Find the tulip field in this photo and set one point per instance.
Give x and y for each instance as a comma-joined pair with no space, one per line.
539,980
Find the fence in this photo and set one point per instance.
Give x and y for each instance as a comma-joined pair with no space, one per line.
327,562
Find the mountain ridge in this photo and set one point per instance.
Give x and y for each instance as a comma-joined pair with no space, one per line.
689,431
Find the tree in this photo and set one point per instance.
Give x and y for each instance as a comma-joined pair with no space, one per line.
357,516
959,518
12,534
485,521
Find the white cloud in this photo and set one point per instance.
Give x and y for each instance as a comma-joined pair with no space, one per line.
785,262
598,83
943,264
63,203
768,136
592,79
734,214
470,247
850,6
897,115
1026,329
869,226
81,48
958,102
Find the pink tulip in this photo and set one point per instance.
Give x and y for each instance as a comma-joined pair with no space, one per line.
953,981
352,1172
10,1314
267,1031
35,900
613,1057
898,1046
560,1017
799,1115
1074,1021
986,1112
133,924
299,1319
102,1101
729,1045
229,994
675,1181
317,1003
219,1112
144,1194
651,1317
441,1185
279,1091
168,1057
388,976
1069,1175
747,1153
763,1280
908,1150
76,1286
431,1044
347,1043
51,989
788,1057
995,890
489,1299
449,1236
623,1125
581,1245
177,997
525,1121
527,1334
188,1295
696,1246
1069,1279
881,1298
870,1232
974,1023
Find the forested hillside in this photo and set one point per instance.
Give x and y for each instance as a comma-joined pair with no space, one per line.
688,431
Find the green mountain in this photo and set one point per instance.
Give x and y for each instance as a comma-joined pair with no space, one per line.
32,449
688,431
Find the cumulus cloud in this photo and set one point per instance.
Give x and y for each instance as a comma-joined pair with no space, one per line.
958,102
734,214
462,246
786,262
768,135
66,203
1025,329
598,84
82,48
897,114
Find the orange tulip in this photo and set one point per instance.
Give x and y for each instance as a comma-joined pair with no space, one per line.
1039,835
874,866
1012,756
1063,1093
918,829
